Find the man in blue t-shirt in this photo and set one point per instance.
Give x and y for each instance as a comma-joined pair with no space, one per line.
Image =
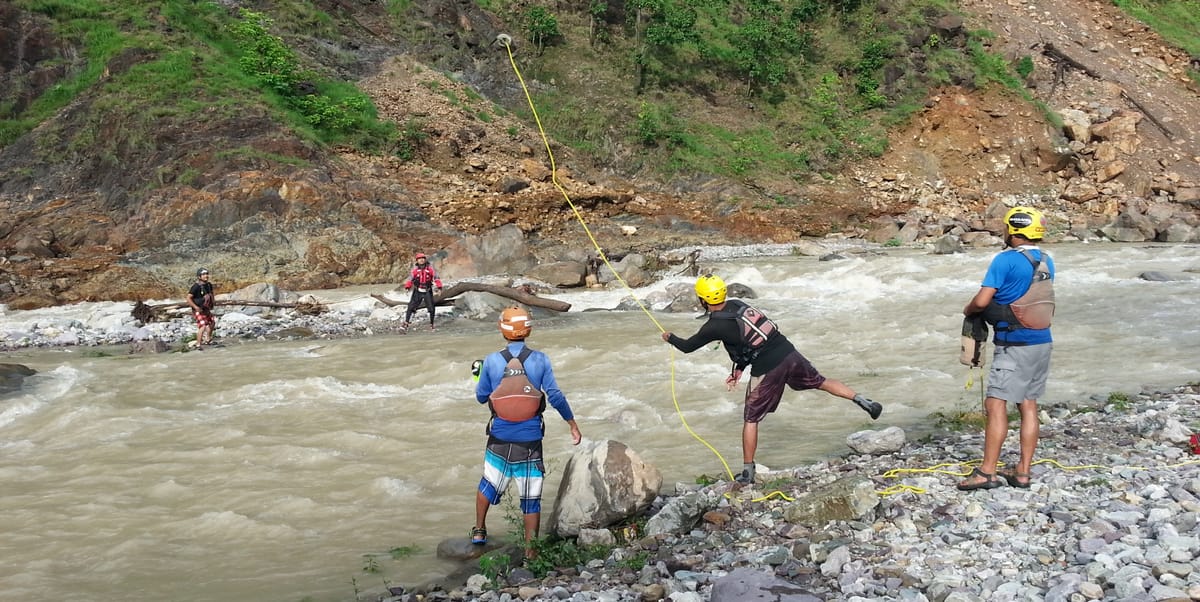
1020,315
516,388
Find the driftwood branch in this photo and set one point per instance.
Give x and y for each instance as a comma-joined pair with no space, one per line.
157,313
520,294
1162,128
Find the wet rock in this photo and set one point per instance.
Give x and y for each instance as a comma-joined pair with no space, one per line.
13,375
148,347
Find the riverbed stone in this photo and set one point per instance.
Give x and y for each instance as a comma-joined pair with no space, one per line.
603,483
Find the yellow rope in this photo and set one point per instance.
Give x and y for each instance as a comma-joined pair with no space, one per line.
971,465
600,252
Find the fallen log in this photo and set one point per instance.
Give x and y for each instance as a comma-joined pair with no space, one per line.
157,313
521,294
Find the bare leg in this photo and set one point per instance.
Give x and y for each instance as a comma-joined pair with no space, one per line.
749,441
481,510
994,433
533,523
1030,429
838,388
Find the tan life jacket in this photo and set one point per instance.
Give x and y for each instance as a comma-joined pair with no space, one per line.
515,398
1035,309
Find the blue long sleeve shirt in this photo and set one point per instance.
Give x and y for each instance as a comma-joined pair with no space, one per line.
540,374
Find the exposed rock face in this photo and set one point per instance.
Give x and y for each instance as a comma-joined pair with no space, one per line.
131,219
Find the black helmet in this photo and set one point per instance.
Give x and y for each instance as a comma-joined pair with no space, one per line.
200,272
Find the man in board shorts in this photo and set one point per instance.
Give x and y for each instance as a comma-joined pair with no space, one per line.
517,383
200,298
751,339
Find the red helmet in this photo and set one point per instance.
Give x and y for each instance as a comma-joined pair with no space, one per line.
515,323
420,256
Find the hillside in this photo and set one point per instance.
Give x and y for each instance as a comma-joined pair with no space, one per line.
164,158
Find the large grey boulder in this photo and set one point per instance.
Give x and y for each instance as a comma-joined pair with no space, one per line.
500,251
603,484
631,268
561,274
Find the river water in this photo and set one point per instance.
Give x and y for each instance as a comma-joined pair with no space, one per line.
284,471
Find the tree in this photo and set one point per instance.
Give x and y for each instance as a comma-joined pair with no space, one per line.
542,27
659,27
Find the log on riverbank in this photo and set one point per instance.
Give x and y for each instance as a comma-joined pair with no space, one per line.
159,313
522,294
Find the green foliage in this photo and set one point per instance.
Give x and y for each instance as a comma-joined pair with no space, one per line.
1024,66
263,55
892,242
336,111
637,561
959,420
764,42
205,60
989,66
1119,401
1178,21
542,27
493,565
553,554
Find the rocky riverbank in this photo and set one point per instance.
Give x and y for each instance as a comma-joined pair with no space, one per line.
344,312
1113,513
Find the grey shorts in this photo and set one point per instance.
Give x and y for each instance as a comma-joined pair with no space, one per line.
1019,372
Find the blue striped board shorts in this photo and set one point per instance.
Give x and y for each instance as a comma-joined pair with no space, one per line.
506,462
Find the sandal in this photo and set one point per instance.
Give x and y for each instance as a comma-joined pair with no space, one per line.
990,481
478,536
1019,480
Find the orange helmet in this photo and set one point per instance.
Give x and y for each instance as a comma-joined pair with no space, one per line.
515,323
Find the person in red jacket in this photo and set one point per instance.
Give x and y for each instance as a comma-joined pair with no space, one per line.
422,283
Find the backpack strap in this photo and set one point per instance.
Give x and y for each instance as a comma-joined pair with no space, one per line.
1034,262
524,355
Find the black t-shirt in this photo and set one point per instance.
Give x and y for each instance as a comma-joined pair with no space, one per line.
725,330
202,294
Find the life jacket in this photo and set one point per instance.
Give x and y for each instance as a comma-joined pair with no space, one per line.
423,276
1034,309
754,328
515,399
205,298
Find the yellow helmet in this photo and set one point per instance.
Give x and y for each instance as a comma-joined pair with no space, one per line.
710,289
515,323
1026,222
